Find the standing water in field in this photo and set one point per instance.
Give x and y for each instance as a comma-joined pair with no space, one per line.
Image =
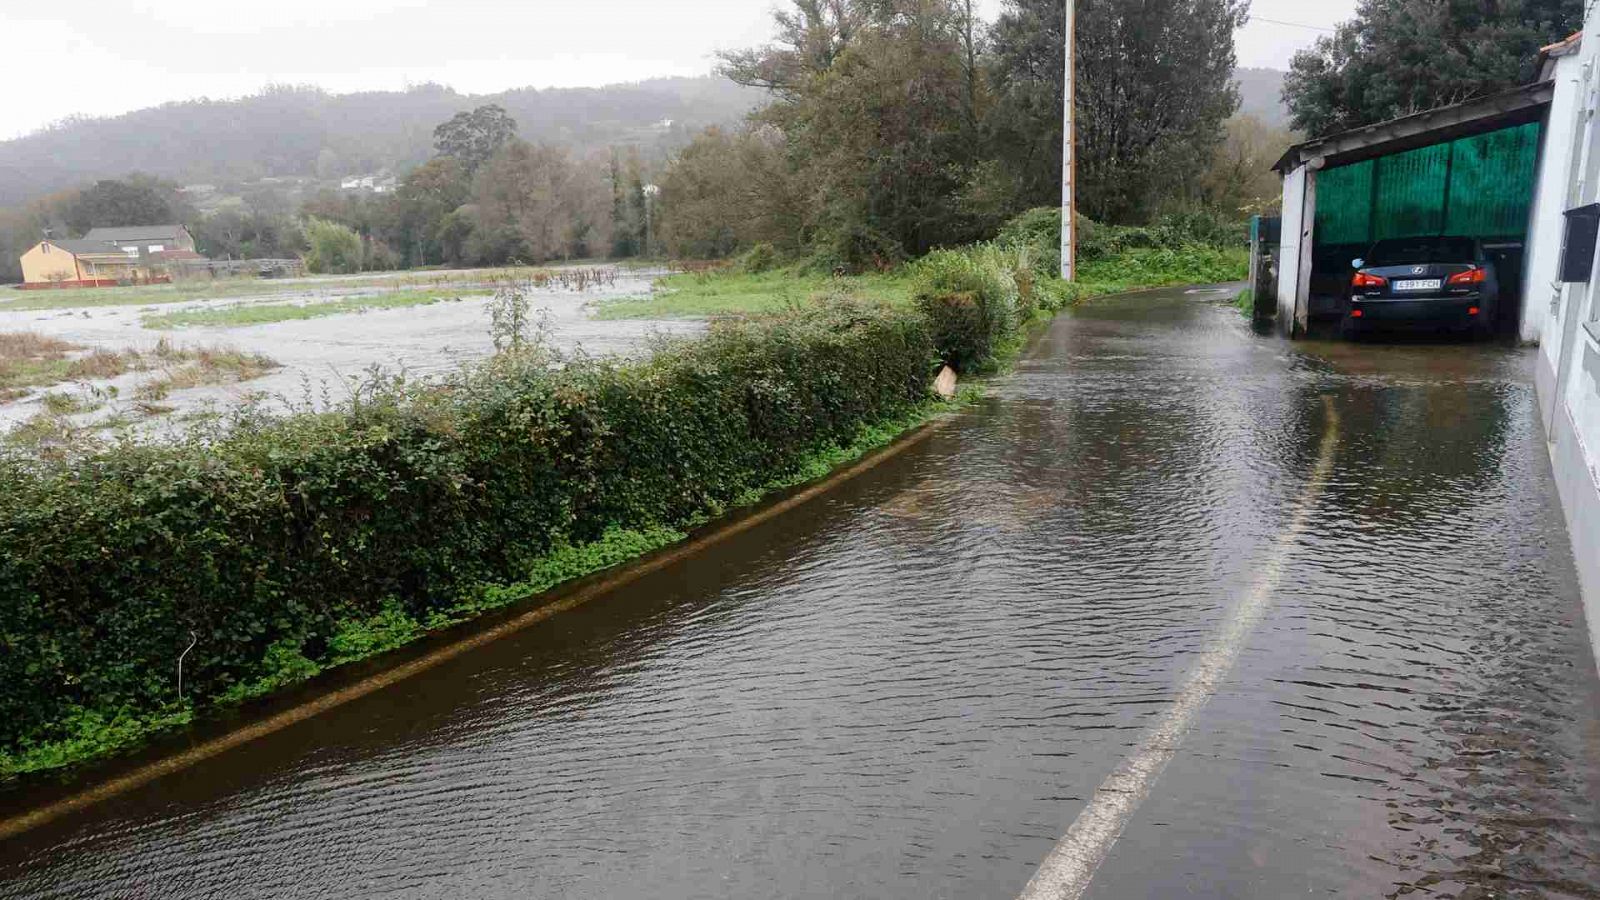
318,357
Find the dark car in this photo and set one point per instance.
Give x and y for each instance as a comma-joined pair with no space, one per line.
1431,283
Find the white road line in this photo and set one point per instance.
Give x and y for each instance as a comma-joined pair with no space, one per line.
1067,871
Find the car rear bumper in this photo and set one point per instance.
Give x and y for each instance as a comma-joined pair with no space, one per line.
1425,312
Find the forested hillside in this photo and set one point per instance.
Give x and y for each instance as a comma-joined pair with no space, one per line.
301,131
1261,95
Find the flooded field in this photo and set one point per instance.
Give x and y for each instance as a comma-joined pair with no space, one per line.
913,686
315,357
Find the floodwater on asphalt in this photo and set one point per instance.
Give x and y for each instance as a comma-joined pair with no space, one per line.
911,686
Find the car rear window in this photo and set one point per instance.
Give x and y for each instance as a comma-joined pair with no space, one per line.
1404,251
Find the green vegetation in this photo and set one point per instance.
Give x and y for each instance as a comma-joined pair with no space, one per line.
1112,259
1370,71
30,360
144,294
193,368
1246,302
60,403
734,292
265,313
342,534
897,128
974,300
445,283
333,248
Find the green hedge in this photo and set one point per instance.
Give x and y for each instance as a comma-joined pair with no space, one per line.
1184,233
972,300
292,544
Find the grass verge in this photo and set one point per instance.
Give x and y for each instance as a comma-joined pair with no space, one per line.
726,293
252,288
734,293
267,313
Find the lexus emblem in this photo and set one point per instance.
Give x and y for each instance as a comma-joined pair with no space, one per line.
1418,270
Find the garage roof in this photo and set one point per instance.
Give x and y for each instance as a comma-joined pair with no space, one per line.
1514,107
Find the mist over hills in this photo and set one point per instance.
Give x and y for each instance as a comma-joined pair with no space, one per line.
1261,95
304,132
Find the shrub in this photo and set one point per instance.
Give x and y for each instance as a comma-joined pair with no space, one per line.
1201,227
763,257
854,249
289,545
970,301
335,249
1040,231
1190,265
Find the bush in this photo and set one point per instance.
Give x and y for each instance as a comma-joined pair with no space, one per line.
761,258
971,303
854,250
1203,228
1040,230
335,249
1190,265
289,545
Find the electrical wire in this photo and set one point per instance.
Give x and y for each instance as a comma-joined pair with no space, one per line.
1255,18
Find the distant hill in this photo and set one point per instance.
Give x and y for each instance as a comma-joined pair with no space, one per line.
300,131
1261,95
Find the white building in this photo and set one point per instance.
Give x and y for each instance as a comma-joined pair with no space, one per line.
1563,286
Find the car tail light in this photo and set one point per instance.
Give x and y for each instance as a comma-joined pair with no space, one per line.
1355,313
1368,280
1473,311
1473,275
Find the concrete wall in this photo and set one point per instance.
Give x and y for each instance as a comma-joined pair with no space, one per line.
1567,322
1296,225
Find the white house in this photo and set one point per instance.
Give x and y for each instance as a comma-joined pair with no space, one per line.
1562,284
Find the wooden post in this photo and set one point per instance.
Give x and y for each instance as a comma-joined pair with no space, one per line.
1069,156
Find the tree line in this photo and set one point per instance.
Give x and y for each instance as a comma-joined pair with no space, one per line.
897,126
891,127
486,198
1398,57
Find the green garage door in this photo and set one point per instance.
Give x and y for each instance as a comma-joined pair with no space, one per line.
1473,187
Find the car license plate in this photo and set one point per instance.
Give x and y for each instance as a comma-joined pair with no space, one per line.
1424,284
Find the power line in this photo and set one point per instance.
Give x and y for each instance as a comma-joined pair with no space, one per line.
1291,24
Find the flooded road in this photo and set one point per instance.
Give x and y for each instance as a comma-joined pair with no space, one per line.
913,686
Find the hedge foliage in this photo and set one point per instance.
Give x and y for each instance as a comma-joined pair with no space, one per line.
972,301
286,545
1176,233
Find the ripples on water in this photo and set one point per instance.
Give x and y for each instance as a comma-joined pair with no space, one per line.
910,687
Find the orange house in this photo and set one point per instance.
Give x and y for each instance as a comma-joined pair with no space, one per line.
107,257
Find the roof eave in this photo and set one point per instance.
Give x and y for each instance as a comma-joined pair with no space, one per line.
1507,103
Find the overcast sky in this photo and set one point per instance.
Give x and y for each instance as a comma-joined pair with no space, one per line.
96,57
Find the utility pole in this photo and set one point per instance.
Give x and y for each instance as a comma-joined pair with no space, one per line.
1069,153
